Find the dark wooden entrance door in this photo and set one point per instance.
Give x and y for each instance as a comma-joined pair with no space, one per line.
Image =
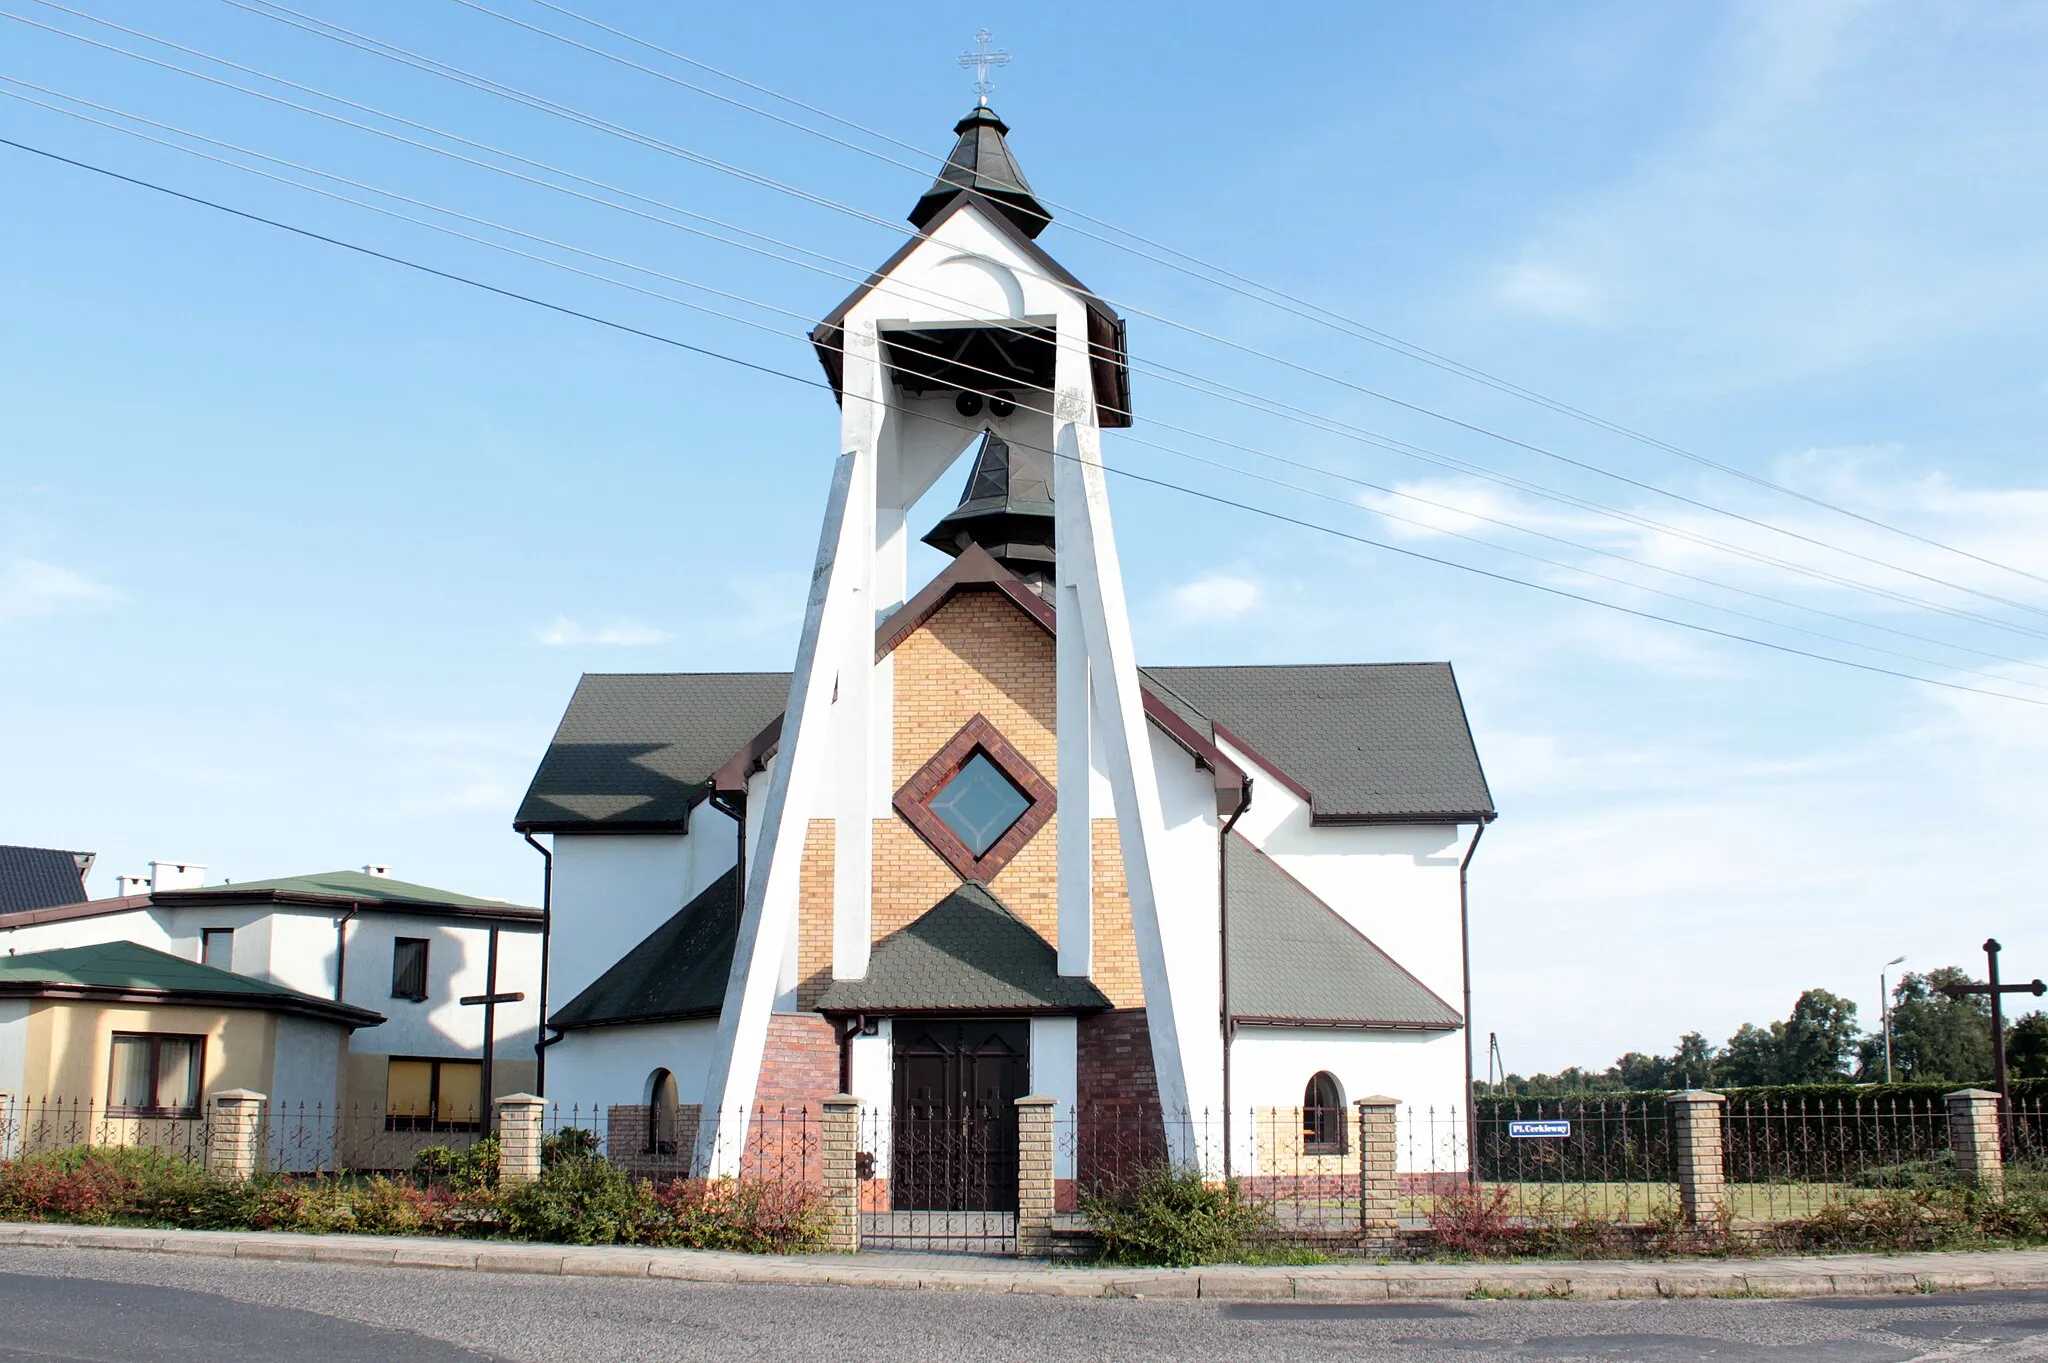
955,1130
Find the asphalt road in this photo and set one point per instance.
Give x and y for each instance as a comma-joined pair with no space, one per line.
110,1305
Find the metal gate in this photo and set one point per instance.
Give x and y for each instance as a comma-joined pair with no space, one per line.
952,1136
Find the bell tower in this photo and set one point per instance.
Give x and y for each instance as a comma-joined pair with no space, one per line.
971,337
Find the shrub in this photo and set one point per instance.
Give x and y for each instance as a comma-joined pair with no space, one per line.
1175,1217
110,1184
567,1145
579,1201
465,1171
757,1216
1937,1172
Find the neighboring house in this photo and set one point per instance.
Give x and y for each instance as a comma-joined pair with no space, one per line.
38,877
408,953
116,1043
968,849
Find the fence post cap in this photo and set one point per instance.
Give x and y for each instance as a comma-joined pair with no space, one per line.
1037,1100
238,1096
1697,1096
1972,1096
520,1100
841,1100
1377,1100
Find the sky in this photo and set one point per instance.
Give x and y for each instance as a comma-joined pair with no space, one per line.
302,552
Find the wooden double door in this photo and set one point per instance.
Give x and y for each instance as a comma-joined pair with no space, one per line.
955,1113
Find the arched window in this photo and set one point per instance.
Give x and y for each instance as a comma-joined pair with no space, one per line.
1322,1116
662,1113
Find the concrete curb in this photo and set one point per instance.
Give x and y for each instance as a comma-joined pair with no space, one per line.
1842,1275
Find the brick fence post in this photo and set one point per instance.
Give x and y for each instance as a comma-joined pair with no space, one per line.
1379,1182
234,1133
1974,1138
1698,1157
838,1148
1034,1176
519,1123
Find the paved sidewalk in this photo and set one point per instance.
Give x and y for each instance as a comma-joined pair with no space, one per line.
1819,1276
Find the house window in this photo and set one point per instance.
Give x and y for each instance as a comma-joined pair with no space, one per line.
217,948
155,1074
1322,1116
977,802
433,1095
409,968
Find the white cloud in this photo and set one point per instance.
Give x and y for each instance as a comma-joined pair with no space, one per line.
565,633
1552,291
30,588
1216,597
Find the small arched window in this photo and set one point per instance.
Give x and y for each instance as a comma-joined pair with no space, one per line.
1322,1116
663,1109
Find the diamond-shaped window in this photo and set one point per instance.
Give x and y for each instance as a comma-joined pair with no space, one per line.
977,802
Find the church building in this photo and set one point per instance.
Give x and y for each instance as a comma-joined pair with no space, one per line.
970,848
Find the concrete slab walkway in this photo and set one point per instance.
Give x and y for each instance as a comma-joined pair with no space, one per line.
1816,1276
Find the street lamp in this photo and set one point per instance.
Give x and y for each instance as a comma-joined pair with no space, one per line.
1884,1008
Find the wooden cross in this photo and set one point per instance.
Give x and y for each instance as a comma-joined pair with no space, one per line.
981,60
489,1001
1997,991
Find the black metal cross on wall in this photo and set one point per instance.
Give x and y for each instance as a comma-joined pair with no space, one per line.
489,1001
1997,992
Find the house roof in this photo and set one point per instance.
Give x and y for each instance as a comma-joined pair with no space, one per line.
1362,742
127,972
678,972
327,889
39,877
636,750
1294,960
967,952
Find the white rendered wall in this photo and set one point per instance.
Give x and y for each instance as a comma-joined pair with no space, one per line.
306,1072
1396,883
1187,876
137,925
13,1047
594,1068
1055,1074
458,959
612,889
1270,1068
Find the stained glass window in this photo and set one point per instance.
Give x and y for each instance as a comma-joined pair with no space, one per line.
979,803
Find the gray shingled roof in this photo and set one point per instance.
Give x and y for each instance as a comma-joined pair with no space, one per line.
678,972
1371,742
1293,959
966,952
40,878
123,969
636,750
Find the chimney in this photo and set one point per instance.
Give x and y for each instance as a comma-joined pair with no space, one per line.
175,875
380,872
128,885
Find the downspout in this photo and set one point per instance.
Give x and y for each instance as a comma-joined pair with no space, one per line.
341,946
1223,953
1465,952
547,924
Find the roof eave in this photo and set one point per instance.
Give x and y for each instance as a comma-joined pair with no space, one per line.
1318,818
1348,1024
682,1015
304,1005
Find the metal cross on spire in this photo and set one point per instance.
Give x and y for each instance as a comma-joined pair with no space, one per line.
981,60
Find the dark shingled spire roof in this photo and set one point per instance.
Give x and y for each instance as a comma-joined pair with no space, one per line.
981,162
1006,508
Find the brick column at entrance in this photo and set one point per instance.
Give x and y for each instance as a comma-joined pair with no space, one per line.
234,1132
1034,1176
838,1147
1974,1139
1697,1156
1379,1182
519,1122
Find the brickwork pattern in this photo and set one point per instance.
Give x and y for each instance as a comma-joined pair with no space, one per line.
838,1147
1113,1061
814,896
980,654
1035,1187
910,878
1379,1183
1974,1138
628,1145
234,1136
1280,1146
801,1065
519,1121
1115,967
1698,1157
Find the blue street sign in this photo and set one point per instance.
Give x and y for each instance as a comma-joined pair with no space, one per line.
1531,1130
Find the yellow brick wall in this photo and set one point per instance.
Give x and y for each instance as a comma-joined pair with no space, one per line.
814,913
1116,947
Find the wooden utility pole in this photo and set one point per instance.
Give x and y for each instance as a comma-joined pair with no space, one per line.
1997,992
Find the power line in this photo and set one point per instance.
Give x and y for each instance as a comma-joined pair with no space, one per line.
1172,376
1233,282
1217,499
992,376
433,66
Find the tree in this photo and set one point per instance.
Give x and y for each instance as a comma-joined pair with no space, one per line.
1750,1057
2026,1047
1935,1038
1693,1063
1812,1046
